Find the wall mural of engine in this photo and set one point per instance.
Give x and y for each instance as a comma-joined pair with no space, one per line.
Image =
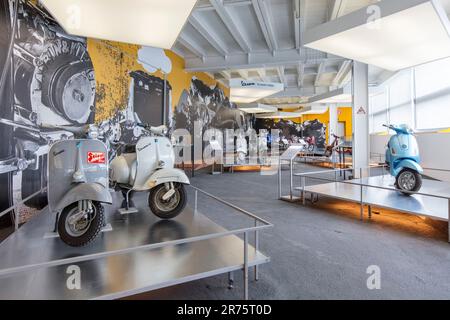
52,80
51,84
55,80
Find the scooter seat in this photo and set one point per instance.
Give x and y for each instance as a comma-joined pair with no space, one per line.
129,148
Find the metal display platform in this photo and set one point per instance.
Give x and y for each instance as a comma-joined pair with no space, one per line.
141,253
436,208
432,201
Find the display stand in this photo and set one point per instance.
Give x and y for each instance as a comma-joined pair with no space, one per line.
288,157
141,253
433,200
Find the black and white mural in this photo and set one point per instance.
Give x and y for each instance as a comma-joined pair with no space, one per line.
291,131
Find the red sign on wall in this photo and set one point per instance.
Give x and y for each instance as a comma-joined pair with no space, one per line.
96,157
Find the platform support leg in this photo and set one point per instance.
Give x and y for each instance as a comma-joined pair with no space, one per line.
370,212
246,266
256,250
230,280
362,206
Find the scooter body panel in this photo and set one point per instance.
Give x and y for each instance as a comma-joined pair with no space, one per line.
84,191
403,152
166,175
403,164
89,157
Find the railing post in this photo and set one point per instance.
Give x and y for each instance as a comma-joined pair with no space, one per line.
361,190
448,219
246,266
304,190
16,219
291,182
279,178
195,203
256,250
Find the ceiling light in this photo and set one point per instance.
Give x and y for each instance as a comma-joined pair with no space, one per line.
242,91
258,108
390,34
155,23
338,96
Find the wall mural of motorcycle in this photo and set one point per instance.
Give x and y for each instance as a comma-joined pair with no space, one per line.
290,132
210,107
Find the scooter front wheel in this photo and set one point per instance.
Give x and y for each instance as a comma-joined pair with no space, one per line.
82,231
167,208
408,180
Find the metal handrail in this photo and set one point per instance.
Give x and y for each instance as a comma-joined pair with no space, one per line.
251,215
22,201
99,255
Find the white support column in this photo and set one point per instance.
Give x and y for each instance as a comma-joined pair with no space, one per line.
360,117
333,125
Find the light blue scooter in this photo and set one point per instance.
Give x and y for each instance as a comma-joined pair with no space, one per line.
403,159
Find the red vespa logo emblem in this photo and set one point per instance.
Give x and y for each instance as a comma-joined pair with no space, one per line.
96,157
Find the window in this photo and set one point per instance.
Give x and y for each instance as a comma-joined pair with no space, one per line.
432,94
378,111
400,99
418,97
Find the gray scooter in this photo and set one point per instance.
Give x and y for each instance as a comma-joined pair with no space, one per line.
78,185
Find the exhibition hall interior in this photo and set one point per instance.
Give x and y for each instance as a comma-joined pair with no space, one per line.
224,149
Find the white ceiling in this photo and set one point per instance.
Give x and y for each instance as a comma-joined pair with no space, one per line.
262,40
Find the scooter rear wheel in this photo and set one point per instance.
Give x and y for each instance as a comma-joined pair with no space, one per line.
408,180
167,209
85,230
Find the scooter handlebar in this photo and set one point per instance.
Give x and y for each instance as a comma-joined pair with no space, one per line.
161,130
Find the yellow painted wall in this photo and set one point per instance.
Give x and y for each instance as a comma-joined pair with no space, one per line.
113,62
345,115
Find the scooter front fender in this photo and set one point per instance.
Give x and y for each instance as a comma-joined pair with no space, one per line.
166,175
83,191
406,163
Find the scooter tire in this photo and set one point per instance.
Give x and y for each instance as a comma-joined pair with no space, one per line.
91,233
152,199
418,178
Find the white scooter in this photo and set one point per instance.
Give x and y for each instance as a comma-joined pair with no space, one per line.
149,166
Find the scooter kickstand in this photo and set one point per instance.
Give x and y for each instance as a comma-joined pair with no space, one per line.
128,209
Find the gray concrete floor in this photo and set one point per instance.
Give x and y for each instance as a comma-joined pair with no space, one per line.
322,251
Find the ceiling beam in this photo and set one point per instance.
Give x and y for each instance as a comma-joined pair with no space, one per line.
337,9
205,5
258,60
262,74
190,44
281,75
225,74
205,31
344,70
300,92
264,19
243,74
300,74
231,26
299,21
320,70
